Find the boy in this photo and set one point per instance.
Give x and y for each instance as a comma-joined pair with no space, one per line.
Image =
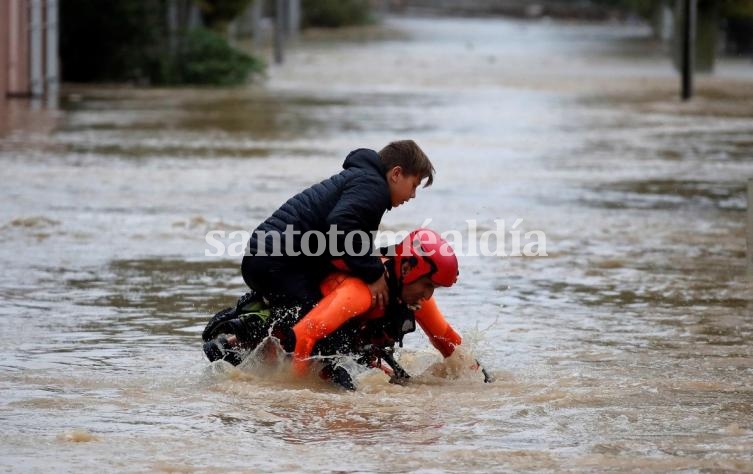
349,205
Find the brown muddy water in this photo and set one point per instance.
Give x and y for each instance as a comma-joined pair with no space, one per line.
627,348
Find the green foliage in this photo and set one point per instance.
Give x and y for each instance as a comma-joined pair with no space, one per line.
206,58
335,13
127,40
737,9
734,9
216,14
736,17
739,25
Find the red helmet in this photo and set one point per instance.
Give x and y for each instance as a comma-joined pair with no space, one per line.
425,253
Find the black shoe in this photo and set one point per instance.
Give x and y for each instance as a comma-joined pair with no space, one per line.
218,348
342,378
339,376
212,350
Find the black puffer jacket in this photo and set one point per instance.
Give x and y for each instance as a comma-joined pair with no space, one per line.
354,199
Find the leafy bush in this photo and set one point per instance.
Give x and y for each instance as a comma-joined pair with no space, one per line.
335,13
128,40
206,58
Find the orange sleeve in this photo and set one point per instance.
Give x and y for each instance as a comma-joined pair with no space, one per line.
436,327
346,297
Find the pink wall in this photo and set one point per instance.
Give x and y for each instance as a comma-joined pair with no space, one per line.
3,50
17,49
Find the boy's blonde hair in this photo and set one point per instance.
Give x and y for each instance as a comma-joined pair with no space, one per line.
409,156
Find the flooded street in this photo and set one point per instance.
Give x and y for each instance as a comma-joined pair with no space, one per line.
628,348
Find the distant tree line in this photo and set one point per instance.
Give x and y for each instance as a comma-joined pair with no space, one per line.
151,42
734,18
165,41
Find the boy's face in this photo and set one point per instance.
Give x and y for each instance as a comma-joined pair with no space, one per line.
402,186
417,292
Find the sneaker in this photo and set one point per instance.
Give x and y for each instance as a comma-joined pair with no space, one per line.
218,348
338,376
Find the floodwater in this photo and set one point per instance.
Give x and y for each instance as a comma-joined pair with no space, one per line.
627,348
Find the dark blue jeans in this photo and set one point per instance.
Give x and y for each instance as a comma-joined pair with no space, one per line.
290,285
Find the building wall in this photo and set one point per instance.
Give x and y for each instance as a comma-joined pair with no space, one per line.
18,48
3,49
